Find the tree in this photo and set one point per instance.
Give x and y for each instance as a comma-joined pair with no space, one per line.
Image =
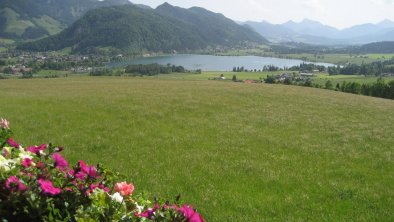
308,83
337,87
391,90
270,79
287,81
329,84
7,70
234,78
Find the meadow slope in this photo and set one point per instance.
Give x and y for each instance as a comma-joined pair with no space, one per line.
238,152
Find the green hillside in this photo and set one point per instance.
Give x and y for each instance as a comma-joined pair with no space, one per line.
32,19
212,27
136,29
238,152
377,47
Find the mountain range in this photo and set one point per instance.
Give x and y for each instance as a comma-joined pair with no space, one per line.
313,32
137,28
85,25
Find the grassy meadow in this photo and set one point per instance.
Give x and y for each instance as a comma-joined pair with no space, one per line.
237,152
215,74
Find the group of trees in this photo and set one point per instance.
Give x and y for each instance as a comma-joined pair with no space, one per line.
377,89
303,67
154,69
271,79
238,69
375,68
309,67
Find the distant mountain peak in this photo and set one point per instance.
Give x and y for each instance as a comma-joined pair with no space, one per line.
165,4
306,20
290,22
386,23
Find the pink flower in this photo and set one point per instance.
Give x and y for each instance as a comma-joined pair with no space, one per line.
48,188
4,124
190,214
124,189
90,171
27,162
149,213
98,186
37,149
60,162
14,184
12,143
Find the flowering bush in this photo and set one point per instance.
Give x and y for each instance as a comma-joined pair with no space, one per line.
38,184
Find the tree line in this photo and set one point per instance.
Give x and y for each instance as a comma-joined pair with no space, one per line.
377,89
375,68
305,67
380,88
154,69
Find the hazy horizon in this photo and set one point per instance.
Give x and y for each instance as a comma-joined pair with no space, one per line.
335,13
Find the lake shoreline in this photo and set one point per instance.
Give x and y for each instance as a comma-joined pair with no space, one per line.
213,62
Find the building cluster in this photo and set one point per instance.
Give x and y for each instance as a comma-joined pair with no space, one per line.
23,62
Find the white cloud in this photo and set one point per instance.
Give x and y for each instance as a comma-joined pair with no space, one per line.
382,2
338,13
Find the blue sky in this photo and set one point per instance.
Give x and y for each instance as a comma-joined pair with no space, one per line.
337,13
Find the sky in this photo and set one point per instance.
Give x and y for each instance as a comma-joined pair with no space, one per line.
337,13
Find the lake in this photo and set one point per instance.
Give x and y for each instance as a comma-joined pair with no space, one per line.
214,63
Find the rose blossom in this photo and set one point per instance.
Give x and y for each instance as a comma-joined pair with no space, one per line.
4,124
124,189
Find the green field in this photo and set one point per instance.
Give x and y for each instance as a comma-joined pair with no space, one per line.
216,74
238,152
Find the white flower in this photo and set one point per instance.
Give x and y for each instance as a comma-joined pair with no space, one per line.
23,155
117,197
42,153
6,164
139,208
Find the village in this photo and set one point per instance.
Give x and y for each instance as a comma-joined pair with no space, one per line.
19,63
